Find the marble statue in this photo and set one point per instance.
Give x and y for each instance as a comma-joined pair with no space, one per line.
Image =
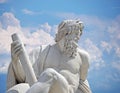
57,68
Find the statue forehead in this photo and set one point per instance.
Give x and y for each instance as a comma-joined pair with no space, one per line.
70,26
69,23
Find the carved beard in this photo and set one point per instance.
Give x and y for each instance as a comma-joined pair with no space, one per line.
70,48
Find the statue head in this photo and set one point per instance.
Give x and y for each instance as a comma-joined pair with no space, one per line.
68,27
69,32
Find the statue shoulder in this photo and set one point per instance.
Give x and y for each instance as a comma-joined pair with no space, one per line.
34,54
85,64
84,56
36,51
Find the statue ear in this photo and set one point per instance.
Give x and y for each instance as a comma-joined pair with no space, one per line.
81,26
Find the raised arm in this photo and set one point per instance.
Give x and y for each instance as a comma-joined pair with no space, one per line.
85,64
83,83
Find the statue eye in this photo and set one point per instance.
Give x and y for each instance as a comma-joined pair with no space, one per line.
66,34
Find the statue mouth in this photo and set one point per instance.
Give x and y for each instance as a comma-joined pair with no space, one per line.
70,48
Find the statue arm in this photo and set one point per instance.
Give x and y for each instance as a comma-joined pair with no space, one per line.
83,83
11,80
15,74
85,65
15,71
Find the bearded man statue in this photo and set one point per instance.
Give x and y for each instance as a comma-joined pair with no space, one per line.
60,68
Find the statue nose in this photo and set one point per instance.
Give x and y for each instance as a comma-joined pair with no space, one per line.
76,39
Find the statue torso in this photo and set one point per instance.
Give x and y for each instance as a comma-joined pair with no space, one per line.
67,66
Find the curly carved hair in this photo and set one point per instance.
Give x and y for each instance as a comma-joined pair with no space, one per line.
67,27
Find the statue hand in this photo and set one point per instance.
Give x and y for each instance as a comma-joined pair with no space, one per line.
16,48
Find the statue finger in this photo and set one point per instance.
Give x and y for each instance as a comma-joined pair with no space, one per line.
17,52
18,49
17,46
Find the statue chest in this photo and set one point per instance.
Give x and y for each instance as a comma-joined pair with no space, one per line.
61,62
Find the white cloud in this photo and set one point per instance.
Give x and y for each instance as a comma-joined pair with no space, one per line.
4,67
87,20
118,51
3,1
8,19
114,31
46,27
95,54
102,85
5,33
29,12
31,39
114,77
93,50
26,11
4,63
114,27
116,65
5,38
67,15
106,46
39,36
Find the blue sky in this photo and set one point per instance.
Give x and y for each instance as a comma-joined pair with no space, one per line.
36,22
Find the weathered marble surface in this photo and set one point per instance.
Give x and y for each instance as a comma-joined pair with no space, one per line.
59,68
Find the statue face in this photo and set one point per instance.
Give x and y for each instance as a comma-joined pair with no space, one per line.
74,36
69,32
71,43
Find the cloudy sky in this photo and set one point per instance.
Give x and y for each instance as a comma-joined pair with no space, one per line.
36,22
